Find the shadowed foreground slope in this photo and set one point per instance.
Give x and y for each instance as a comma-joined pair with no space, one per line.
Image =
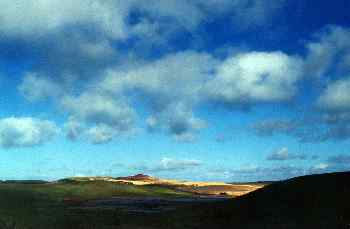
314,201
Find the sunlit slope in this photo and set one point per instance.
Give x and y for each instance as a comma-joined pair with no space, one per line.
196,187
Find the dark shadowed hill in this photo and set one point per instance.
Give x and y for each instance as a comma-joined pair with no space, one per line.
314,201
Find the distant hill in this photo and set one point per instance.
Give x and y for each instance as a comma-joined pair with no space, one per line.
314,201
137,177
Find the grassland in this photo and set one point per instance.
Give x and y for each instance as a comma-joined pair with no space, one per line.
318,201
50,205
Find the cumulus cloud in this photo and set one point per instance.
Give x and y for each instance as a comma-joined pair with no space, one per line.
37,17
76,55
326,60
336,96
26,132
170,88
284,155
179,122
334,102
173,85
184,71
99,109
256,77
100,134
77,39
35,87
73,128
107,116
244,14
328,51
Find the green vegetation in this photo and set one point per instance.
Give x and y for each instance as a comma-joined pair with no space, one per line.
49,205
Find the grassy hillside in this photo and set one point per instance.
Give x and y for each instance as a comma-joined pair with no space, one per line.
39,205
317,201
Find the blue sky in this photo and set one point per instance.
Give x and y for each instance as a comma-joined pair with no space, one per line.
238,90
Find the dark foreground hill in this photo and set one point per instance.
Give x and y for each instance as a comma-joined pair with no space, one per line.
314,201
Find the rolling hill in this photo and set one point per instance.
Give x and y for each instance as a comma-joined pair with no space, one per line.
315,201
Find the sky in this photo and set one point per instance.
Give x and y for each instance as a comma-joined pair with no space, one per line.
224,90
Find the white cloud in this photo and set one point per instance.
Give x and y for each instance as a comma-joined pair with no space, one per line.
174,76
25,132
39,17
169,88
76,41
178,121
256,77
35,87
73,128
176,164
336,97
100,117
169,165
186,13
328,51
173,85
100,134
100,109
320,166
96,50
